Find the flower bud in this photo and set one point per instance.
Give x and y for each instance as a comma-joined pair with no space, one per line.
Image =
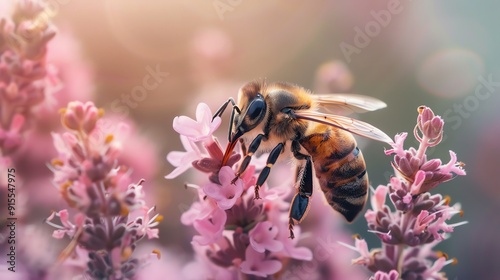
430,126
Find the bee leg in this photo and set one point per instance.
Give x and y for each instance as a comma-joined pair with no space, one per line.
243,146
271,160
221,110
248,155
300,202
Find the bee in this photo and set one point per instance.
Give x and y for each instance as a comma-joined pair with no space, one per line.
282,118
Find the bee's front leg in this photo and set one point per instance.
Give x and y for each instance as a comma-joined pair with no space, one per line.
254,146
221,110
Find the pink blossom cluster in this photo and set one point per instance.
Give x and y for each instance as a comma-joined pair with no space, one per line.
25,77
418,220
111,215
236,234
25,81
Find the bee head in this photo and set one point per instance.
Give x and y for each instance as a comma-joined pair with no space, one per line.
250,117
253,109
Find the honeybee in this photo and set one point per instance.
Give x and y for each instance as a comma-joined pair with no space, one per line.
282,118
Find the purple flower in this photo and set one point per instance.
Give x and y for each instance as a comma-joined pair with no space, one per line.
210,229
67,227
10,138
182,160
146,224
225,194
380,275
234,231
419,220
200,129
263,237
113,215
256,263
397,145
361,247
80,116
430,126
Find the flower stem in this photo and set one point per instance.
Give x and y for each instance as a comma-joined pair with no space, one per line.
423,147
400,259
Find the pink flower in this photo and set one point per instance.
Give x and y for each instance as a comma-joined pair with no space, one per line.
361,247
418,221
422,222
433,272
380,275
290,248
201,129
398,145
378,198
227,193
147,224
417,183
10,138
81,117
255,263
91,180
199,210
430,125
210,229
452,166
263,237
183,160
67,227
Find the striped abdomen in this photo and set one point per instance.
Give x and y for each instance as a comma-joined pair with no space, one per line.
340,168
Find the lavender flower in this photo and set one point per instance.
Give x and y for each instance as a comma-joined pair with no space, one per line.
237,234
112,215
419,219
26,79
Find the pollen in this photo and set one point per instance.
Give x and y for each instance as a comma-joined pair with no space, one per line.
441,254
124,210
126,253
100,112
109,138
57,162
447,200
454,261
159,218
356,236
65,188
157,253
420,109
66,185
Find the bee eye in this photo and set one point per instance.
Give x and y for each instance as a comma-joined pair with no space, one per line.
256,108
252,116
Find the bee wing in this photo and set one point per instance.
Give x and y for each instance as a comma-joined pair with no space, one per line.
346,103
352,125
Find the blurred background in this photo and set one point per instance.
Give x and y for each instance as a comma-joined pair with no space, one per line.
443,54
